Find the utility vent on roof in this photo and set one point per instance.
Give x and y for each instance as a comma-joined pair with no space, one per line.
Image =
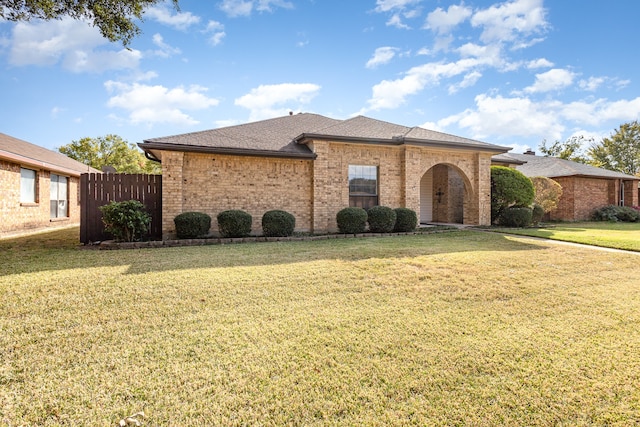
530,152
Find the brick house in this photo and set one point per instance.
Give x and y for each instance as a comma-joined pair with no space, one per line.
39,187
584,187
312,166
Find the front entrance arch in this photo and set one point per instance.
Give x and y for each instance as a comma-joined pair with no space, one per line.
443,195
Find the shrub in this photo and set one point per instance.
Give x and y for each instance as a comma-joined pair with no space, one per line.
509,187
547,193
381,219
537,214
126,221
516,217
615,213
406,220
190,225
352,220
277,223
234,223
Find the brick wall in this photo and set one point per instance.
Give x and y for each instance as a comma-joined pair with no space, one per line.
214,183
315,190
580,196
20,218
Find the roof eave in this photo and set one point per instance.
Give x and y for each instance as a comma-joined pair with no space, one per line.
305,138
497,149
27,161
161,146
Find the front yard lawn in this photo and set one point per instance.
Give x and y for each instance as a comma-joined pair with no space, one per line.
457,328
617,235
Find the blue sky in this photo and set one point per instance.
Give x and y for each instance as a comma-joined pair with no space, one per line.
512,73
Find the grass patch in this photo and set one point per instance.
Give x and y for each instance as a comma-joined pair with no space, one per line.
617,235
460,328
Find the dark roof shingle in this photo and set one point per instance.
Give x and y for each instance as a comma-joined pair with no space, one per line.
26,153
287,135
553,167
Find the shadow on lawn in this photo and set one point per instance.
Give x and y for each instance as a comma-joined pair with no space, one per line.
60,250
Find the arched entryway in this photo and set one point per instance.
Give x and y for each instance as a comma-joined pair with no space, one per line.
443,190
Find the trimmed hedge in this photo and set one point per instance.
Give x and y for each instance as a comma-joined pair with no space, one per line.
406,220
278,223
509,187
190,225
516,217
234,223
352,220
381,219
537,214
126,221
616,213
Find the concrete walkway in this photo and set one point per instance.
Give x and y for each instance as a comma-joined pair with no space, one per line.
560,242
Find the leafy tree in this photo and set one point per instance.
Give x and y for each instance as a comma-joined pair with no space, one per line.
621,151
547,191
571,149
509,187
110,150
114,18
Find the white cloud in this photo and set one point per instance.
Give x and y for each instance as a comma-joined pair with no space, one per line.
510,20
381,56
148,104
389,5
508,117
216,29
442,22
392,93
554,79
267,101
165,15
600,111
500,117
592,83
71,42
539,63
235,8
165,50
396,21
468,81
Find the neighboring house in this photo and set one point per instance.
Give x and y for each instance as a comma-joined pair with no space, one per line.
584,188
39,187
313,166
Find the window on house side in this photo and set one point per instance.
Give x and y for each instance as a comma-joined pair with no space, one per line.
363,186
28,186
58,196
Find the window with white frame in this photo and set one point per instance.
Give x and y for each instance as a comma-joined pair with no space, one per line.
58,197
28,186
363,186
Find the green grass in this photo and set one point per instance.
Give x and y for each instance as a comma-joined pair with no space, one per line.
617,235
458,328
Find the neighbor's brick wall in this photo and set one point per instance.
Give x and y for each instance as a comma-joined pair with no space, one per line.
631,193
214,183
580,196
18,218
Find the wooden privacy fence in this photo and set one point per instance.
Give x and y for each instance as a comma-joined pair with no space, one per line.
97,189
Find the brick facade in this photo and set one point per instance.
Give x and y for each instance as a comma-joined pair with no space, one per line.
581,195
18,218
314,190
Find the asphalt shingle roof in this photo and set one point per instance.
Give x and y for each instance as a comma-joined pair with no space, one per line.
553,167
26,153
286,135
